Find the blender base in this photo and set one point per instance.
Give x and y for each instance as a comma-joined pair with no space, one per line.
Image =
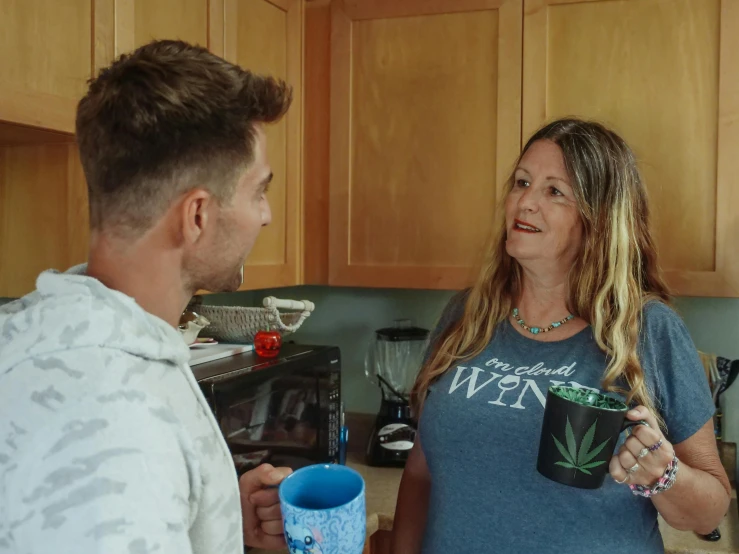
392,437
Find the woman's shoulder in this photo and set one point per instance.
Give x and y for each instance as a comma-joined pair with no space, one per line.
660,319
657,313
452,312
454,309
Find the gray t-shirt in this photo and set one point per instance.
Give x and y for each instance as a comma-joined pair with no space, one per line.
480,433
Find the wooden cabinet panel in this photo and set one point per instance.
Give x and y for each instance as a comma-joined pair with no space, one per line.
136,22
174,19
662,73
46,53
265,36
316,86
425,126
50,48
43,213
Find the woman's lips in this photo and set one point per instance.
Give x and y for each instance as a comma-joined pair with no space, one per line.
524,227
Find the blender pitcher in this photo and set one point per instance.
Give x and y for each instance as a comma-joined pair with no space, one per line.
392,363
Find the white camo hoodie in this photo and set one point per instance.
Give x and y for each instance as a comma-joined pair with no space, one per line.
106,443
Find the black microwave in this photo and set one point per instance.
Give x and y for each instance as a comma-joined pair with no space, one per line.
286,411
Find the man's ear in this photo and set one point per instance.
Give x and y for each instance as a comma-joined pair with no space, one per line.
195,208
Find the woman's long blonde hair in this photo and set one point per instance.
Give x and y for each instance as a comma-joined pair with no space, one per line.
615,274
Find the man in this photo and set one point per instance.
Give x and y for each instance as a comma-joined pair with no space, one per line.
106,443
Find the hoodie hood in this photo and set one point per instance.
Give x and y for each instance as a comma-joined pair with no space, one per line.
71,310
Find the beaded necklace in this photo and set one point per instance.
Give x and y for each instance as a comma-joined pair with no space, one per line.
537,330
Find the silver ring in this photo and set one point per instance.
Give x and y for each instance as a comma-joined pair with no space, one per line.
643,452
625,479
632,469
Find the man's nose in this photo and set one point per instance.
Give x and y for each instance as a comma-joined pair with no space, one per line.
266,215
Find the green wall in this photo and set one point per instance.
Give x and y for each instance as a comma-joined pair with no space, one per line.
347,317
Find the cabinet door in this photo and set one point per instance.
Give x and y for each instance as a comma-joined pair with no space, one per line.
45,60
265,36
425,127
663,74
124,25
43,211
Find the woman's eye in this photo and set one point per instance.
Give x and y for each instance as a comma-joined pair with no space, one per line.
522,183
556,192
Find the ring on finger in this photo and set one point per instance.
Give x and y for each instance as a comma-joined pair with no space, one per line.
643,452
625,479
632,469
656,446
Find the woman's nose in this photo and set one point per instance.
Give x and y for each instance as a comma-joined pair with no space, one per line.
529,200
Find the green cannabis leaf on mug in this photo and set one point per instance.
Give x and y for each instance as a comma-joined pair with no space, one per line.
580,459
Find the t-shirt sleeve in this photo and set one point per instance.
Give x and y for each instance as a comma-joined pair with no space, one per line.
452,312
106,477
674,372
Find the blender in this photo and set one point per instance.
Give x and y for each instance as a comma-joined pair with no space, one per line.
392,363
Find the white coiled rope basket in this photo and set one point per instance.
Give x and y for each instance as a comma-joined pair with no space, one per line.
240,324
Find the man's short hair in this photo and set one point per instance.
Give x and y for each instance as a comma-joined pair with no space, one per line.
164,119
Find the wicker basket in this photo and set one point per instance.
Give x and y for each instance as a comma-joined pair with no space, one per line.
239,324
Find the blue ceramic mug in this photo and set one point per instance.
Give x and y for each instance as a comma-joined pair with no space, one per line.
323,509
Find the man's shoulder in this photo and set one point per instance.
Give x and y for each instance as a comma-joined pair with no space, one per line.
48,393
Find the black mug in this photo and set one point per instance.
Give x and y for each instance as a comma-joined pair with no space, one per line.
579,433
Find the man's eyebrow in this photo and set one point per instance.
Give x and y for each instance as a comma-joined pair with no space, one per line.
264,185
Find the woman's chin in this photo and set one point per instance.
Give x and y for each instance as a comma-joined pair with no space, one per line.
521,252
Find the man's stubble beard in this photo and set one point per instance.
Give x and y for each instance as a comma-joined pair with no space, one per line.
224,275
227,280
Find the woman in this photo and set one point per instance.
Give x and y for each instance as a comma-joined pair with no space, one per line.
573,249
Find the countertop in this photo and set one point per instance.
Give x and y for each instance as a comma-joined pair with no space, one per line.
382,491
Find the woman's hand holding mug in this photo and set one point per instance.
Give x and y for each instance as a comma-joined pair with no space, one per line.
645,455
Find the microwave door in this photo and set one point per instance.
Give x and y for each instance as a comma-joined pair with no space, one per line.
248,415
283,416
286,415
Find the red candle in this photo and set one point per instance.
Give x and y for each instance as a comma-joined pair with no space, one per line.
267,343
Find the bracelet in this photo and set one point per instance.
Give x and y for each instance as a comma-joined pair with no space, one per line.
664,483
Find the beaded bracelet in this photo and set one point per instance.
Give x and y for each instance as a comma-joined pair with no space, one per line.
665,482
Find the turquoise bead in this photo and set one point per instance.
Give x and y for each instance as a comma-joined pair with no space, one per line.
556,324
535,330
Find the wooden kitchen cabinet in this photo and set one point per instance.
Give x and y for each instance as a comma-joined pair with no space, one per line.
665,75
50,48
415,112
41,82
266,36
425,124
424,114
43,194
128,24
46,56
43,208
